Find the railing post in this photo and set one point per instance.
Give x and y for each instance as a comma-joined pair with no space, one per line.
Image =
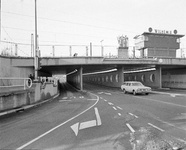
24,84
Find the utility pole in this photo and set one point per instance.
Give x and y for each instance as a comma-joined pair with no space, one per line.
53,50
70,49
32,45
0,22
36,47
90,49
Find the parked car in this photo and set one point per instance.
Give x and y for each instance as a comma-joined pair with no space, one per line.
135,87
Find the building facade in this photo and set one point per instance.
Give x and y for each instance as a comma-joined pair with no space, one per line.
158,43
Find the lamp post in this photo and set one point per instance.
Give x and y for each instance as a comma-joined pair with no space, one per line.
101,48
36,47
0,22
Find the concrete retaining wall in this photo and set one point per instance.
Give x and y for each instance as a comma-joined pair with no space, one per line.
107,79
37,93
153,78
7,69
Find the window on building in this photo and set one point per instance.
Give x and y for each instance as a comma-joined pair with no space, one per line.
178,40
146,38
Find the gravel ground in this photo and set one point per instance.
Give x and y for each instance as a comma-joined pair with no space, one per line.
149,139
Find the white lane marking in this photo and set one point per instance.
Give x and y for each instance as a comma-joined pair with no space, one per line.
129,126
64,100
87,124
156,127
64,97
105,100
49,131
119,114
114,108
91,99
171,94
110,103
171,124
97,116
159,101
108,93
100,92
119,108
133,115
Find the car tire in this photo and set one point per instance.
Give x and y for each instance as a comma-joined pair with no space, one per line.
134,92
125,92
146,93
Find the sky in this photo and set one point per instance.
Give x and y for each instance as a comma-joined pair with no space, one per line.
61,23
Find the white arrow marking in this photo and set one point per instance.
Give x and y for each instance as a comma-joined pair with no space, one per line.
75,128
92,123
87,124
97,116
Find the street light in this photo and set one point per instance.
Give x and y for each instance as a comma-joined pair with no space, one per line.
36,47
101,48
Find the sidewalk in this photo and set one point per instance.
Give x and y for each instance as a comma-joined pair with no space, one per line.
172,92
26,107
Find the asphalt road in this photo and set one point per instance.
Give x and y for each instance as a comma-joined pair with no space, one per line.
97,118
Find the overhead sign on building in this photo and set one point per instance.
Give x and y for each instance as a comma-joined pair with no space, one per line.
162,31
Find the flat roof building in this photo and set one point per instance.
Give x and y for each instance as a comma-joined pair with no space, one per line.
158,43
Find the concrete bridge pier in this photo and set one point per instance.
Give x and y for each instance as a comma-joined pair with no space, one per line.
159,76
76,78
120,71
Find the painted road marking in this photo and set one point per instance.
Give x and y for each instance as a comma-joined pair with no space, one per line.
81,96
171,94
133,115
65,100
171,124
114,108
88,124
105,100
119,108
110,103
160,101
91,99
64,97
49,131
119,114
97,116
129,126
108,93
156,127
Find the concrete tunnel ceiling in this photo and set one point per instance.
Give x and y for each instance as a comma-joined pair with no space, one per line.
55,70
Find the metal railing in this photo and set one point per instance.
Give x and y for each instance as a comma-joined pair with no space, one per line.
9,82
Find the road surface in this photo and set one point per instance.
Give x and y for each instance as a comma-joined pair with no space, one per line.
97,118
